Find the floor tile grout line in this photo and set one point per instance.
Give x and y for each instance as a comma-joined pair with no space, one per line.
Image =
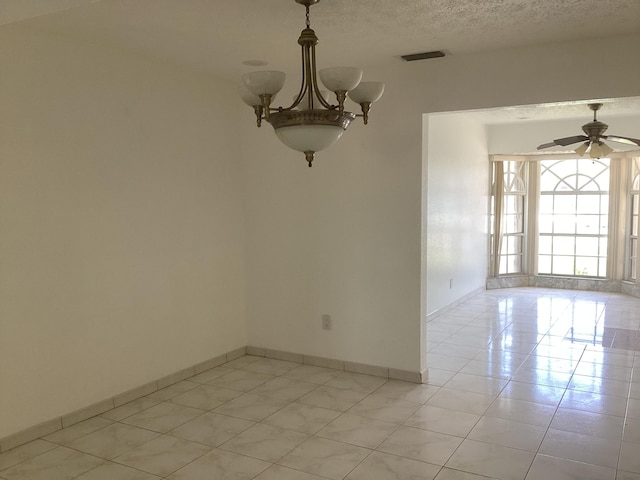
551,421
566,389
58,445
624,428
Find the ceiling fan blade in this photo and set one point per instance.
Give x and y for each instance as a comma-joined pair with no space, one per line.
627,140
546,145
570,140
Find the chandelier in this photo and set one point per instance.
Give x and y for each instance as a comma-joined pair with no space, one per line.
310,123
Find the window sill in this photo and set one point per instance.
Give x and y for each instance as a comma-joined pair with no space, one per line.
565,283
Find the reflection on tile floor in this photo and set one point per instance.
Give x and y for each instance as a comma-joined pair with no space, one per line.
525,383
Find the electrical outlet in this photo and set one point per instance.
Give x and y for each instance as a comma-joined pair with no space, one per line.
326,322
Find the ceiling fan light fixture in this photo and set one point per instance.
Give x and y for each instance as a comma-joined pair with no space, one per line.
595,151
582,149
606,149
599,150
311,123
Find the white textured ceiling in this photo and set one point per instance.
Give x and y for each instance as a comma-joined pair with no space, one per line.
216,36
578,110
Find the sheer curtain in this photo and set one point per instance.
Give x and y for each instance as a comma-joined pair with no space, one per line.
498,217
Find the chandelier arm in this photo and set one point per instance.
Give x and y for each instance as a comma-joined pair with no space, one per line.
303,87
366,107
266,102
308,76
310,67
314,81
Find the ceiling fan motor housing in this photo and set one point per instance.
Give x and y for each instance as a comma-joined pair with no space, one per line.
594,130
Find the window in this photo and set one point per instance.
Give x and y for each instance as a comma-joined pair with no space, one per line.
510,238
634,203
566,216
573,217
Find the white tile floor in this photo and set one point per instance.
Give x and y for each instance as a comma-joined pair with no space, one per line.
521,387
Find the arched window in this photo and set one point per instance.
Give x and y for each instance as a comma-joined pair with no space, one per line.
573,217
567,216
507,239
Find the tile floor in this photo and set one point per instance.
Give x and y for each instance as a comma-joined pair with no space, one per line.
525,384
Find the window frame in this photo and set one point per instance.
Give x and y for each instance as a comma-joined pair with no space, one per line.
574,190
619,216
631,267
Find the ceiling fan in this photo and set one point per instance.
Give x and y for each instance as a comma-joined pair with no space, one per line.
593,138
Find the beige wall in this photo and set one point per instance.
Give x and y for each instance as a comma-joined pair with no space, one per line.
525,76
341,238
345,238
454,148
457,174
135,198
121,248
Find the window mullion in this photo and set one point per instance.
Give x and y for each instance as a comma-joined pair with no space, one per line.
531,226
618,193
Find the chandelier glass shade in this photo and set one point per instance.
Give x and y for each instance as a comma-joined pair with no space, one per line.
311,123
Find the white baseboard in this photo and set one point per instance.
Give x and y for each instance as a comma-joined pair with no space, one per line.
455,303
64,421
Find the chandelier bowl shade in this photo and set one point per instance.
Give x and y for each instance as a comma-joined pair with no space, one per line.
309,138
248,97
340,78
264,82
310,130
367,92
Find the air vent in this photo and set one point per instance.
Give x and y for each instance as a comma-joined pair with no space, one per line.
423,56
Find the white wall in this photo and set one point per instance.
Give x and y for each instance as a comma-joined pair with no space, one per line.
122,194
525,76
340,238
457,175
121,248
344,237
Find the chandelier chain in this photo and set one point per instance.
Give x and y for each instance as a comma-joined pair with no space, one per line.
308,21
